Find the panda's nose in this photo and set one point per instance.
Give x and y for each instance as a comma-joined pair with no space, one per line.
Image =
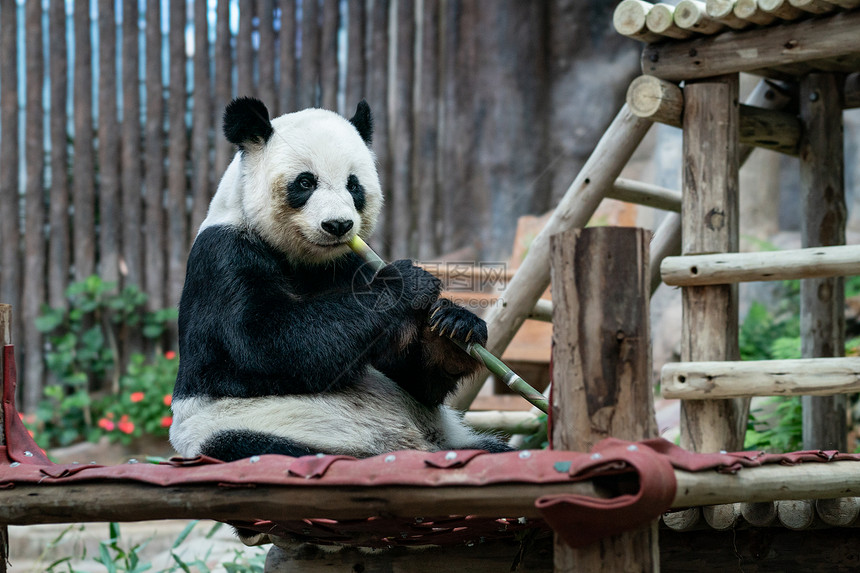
337,227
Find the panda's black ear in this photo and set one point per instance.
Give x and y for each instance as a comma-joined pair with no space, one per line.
363,121
246,120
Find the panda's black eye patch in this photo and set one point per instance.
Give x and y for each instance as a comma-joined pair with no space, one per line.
356,190
300,189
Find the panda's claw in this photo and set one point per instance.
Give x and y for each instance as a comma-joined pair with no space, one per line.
469,335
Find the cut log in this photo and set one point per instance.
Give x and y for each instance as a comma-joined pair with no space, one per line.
693,15
726,268
797,514
629,20
782,9
732,379
722,517
759,514
661,21
723,11
839,511
659,100
749,10
813,39
813,6
683,520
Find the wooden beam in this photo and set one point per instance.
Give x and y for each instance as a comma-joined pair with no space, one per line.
659,100
768,483
579,202
506,421
822,300
666,242
782,9
733,379
645,194
747,50
602,369
726,268
28,504
748,10
759,514
710,225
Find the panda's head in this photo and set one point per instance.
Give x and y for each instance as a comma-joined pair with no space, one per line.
305,181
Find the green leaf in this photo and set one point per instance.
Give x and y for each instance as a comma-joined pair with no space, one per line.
185,533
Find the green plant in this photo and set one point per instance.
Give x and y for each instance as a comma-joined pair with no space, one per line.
83,355
117,556
775,335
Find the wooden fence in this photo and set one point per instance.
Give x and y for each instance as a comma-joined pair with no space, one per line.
118,129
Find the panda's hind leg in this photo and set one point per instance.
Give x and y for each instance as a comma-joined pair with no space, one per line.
231,445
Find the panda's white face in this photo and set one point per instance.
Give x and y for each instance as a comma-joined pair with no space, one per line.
307,189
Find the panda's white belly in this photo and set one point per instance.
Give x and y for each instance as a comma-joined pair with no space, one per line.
372,417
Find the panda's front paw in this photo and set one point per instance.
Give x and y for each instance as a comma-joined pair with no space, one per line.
455,322
411,287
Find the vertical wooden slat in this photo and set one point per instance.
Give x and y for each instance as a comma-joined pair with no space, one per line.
5,338
401,200
83,164
10,226
153,226
201,182
34,235
377,97
709,214
177,223
245,51
356,54
822,301
108,156
426,131
309,67
328,55
601,357
59,255
287,58
132,203
266,60
223,82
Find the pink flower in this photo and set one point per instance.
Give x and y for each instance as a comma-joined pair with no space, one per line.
125,426
166,421
106,424
170,355
168,399
136,396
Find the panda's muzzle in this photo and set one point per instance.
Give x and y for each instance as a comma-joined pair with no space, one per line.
337,227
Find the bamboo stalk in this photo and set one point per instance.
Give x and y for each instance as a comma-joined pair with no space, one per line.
733,379
476,351
511,422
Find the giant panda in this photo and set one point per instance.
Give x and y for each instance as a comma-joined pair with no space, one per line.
288,343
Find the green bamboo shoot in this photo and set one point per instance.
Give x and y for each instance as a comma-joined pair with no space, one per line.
493,364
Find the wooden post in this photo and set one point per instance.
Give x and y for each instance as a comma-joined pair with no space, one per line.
5,338
601,357
709,225
822,319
